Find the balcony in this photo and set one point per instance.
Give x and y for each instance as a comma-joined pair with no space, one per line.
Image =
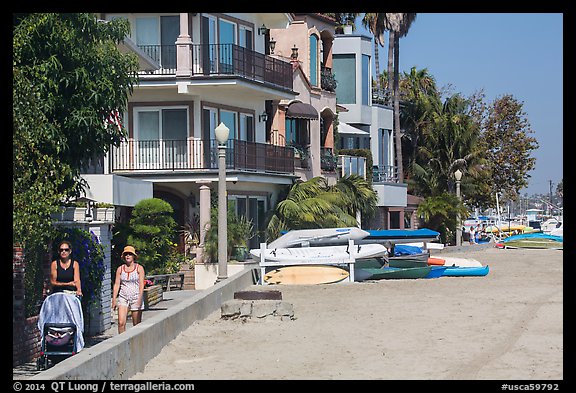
210,60
200,155
385,174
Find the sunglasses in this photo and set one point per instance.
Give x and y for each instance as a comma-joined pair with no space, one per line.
128,253
64,249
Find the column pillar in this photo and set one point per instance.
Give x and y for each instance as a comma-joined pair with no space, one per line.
184,48
204,219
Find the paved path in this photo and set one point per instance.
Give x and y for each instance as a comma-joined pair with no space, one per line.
171,299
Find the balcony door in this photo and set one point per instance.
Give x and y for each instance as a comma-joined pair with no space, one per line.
161,138
157,37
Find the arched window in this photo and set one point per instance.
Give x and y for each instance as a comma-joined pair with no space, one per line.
313,60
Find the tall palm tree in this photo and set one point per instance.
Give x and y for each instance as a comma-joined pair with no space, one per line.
398,25
421,101
376,23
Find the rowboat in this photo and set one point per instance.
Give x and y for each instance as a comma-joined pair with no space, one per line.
457,271
393,273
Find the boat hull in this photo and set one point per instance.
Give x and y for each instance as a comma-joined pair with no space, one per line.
319,255
397,273
466,271
318,237
436,271
409,260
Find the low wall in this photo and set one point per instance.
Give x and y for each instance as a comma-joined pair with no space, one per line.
126,354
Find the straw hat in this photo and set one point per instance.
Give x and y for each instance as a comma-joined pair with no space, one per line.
129,249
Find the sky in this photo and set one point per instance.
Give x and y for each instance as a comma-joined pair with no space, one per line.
520,54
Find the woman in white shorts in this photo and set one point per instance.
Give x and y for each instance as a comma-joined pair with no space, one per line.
128,289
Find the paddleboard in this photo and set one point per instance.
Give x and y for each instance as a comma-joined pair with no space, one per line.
306,275
436,261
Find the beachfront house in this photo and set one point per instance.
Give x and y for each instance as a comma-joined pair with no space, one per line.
211,68
368,124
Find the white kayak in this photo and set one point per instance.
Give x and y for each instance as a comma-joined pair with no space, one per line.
311,255
461,262
320,236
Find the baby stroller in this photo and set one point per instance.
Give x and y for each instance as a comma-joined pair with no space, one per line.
61,325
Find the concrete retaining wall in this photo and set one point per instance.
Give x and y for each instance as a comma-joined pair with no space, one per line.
126,354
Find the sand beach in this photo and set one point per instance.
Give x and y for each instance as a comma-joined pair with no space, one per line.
507,325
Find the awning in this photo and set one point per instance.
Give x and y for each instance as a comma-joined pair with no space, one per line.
302,111
344,128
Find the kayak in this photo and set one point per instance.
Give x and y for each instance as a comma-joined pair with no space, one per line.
454,271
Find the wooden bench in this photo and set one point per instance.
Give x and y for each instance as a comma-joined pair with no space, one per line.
169,282
264,263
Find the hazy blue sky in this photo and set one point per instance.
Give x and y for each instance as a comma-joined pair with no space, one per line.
514,53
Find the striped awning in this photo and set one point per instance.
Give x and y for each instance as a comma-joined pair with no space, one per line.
302,111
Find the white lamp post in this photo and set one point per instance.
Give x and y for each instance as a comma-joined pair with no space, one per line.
222,137
458,176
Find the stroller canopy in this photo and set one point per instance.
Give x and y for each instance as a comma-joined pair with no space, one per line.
63,308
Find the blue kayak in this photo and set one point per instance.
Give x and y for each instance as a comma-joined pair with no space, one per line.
436,271
456,271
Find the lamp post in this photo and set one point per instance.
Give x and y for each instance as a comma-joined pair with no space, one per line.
458,176
222,137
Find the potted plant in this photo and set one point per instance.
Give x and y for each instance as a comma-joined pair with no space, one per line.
153,294
239,231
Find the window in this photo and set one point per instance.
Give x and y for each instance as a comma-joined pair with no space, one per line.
157,37
314,60
161,135
365,79
344,67
246,128
254,209
229,119
297,132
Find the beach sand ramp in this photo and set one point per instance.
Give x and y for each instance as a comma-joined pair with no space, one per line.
306,275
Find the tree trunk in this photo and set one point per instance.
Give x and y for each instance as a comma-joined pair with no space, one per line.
395,39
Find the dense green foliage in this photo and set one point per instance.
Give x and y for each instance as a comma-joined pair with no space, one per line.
239,231
315,204
69,81
152,230
87,250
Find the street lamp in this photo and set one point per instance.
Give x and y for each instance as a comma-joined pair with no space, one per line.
458,176
222,137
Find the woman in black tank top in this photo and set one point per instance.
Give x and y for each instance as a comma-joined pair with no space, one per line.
64,272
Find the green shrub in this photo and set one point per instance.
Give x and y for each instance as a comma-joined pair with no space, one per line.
152,230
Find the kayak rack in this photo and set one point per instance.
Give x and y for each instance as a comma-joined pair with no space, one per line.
264,263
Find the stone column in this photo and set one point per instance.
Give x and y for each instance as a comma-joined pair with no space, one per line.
184,48
204,219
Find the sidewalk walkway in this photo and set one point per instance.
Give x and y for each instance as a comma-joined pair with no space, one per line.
170,299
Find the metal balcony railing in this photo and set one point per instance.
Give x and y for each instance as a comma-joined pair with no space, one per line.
352,165
385,174
171,155
224,59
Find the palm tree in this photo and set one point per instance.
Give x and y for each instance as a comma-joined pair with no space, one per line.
377,25
421,101
315,204
452,143
398,25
